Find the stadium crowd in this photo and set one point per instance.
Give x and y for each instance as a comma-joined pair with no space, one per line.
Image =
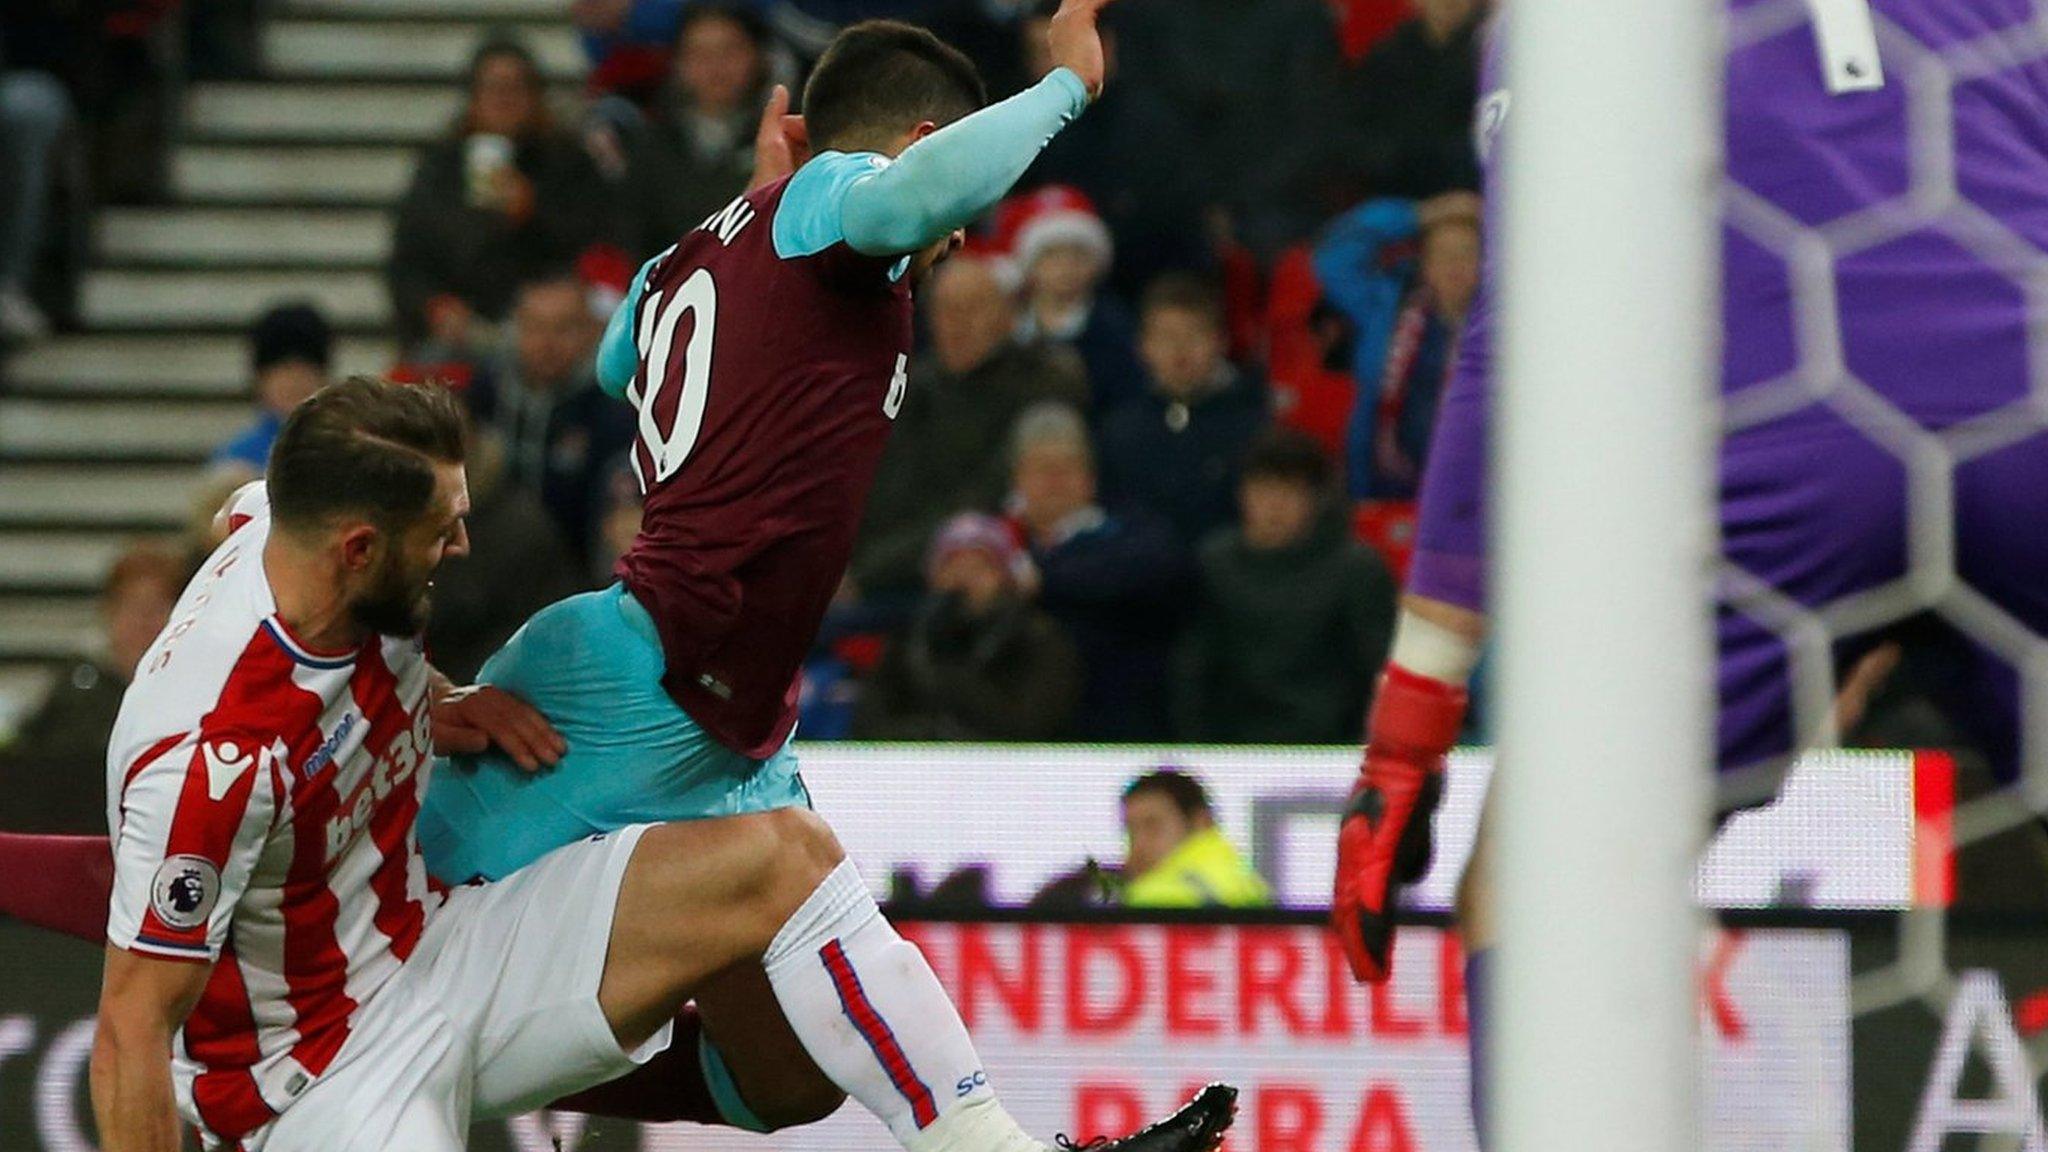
1151,479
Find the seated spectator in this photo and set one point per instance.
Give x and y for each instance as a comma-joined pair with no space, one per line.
290,350
516,565
694,150
1178,857
560,430
54,772
1294,617
1129,156
1176,449
629,43
1117,583
1404,275
947,452
34,110
1062,250
1410,104
504,196
979,661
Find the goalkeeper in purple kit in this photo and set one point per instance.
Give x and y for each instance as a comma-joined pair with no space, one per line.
1876,429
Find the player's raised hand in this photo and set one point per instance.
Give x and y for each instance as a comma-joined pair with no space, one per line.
781,144
472,720
1077,41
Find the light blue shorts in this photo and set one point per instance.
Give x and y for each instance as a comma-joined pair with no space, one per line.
592,664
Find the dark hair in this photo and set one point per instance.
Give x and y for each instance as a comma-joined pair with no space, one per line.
881,78
746,19
1184,292
291,333
1288,454
363,446
1184,791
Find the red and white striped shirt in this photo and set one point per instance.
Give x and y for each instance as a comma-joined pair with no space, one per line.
262,799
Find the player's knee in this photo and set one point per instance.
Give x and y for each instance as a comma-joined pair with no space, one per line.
805,848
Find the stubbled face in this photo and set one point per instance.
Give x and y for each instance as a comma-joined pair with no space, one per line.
396,594
1065,272
1450,265
1153,828
971,315
1182,348
556,333
505,97
283,387
717,64
135,613
1277,511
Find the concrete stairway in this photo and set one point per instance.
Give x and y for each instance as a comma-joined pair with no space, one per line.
280,190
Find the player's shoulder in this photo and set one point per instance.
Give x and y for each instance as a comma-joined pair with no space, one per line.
807,209
202,658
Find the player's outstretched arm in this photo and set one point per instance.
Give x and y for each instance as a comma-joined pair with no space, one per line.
946,180
143,1001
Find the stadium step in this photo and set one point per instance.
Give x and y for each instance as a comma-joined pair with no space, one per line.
49,627
244,237
230,300
328,113
248,174
102,430
480,10
69,562
207,367
335,49
135,498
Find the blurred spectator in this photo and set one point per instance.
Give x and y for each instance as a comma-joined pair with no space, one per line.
694,151
290,350
1130,156
1118,583
505,195
1404,275
979,662
1410,104
1178,857
54,772
1176,449
34,110
1254,82
630,43
1294,617
517,564
947,452
1063,251
560,431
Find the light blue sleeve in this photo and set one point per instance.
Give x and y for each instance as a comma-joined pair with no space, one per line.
881,207
1368,291
618,353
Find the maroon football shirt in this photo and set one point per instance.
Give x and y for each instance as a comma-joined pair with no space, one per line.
767,387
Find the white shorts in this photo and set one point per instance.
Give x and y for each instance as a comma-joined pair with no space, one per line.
494,1015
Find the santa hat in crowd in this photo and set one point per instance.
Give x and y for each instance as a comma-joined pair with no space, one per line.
1027,225
978,531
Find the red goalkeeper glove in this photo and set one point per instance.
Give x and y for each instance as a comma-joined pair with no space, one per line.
1385,838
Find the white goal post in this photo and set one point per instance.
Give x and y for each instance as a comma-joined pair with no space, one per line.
1603,538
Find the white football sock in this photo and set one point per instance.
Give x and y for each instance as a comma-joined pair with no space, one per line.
872,1015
